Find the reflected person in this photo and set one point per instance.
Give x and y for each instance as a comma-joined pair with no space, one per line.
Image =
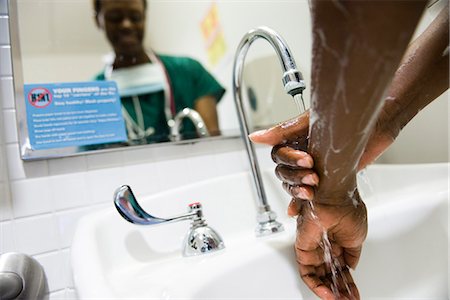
348,126
153,87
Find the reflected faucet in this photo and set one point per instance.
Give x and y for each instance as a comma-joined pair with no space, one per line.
201,238
192,115
293,84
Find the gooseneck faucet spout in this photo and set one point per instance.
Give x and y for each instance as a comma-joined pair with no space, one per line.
293,84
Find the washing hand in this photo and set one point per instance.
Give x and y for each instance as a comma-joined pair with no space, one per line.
344,226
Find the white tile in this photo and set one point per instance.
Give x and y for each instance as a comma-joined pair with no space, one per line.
171,173
67,269
6,211
3,176
15,164
19,169
31,197
67,165
3,171
101,184
58,295
69,191
140,155
5,61
4,30
54,268
143,178
7,243
4,7
231,162
34,235
37,168
7,92
104,160
264,156
10,127
67,222
71,294
202,167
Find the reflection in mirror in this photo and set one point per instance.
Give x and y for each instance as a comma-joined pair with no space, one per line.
159,68
268,103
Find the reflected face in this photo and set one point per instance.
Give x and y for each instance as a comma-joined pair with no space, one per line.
124,25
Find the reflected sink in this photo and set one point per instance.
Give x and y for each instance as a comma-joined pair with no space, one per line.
404,256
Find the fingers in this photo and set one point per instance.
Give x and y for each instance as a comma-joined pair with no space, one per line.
294,176
326,285
291,130
302,192
351,256
290,156
312,279
294,207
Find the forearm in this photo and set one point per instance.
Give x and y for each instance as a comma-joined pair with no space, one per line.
423,76
354,58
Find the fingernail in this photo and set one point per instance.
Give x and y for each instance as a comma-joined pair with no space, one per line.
302,194
305,162
257,133
310,179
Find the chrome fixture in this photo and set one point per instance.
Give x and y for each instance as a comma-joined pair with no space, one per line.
192,115
22,277
200,239
293,84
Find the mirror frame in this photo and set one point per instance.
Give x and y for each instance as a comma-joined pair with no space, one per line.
29,154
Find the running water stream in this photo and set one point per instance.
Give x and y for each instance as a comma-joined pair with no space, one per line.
332,263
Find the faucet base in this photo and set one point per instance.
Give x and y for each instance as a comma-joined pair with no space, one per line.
267,223
268,228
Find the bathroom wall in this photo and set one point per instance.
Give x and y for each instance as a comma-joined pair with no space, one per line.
41,201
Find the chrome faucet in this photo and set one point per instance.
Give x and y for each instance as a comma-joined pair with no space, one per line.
293,84
192,115
200,239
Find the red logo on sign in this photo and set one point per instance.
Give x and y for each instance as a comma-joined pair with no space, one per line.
40,97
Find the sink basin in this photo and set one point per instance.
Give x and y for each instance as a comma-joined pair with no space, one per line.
404,256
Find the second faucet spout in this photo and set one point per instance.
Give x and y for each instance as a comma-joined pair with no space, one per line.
195,118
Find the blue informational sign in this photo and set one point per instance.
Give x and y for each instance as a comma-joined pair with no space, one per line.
73,114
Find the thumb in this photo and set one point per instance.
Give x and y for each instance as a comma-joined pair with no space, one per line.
287,131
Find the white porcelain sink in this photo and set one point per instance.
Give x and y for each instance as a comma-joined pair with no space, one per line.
405,255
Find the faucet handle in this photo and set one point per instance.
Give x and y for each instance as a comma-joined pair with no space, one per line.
200,239
128,207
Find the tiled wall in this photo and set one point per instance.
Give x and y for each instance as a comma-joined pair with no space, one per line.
41,201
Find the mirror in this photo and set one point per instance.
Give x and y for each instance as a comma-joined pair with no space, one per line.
58,41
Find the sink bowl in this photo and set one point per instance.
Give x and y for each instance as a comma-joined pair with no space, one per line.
404,256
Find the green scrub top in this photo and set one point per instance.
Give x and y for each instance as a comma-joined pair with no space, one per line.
189,81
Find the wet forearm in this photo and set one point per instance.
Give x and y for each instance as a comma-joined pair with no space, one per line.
354,58
423,75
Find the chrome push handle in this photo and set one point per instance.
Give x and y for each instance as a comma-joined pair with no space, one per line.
200,239
130,210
